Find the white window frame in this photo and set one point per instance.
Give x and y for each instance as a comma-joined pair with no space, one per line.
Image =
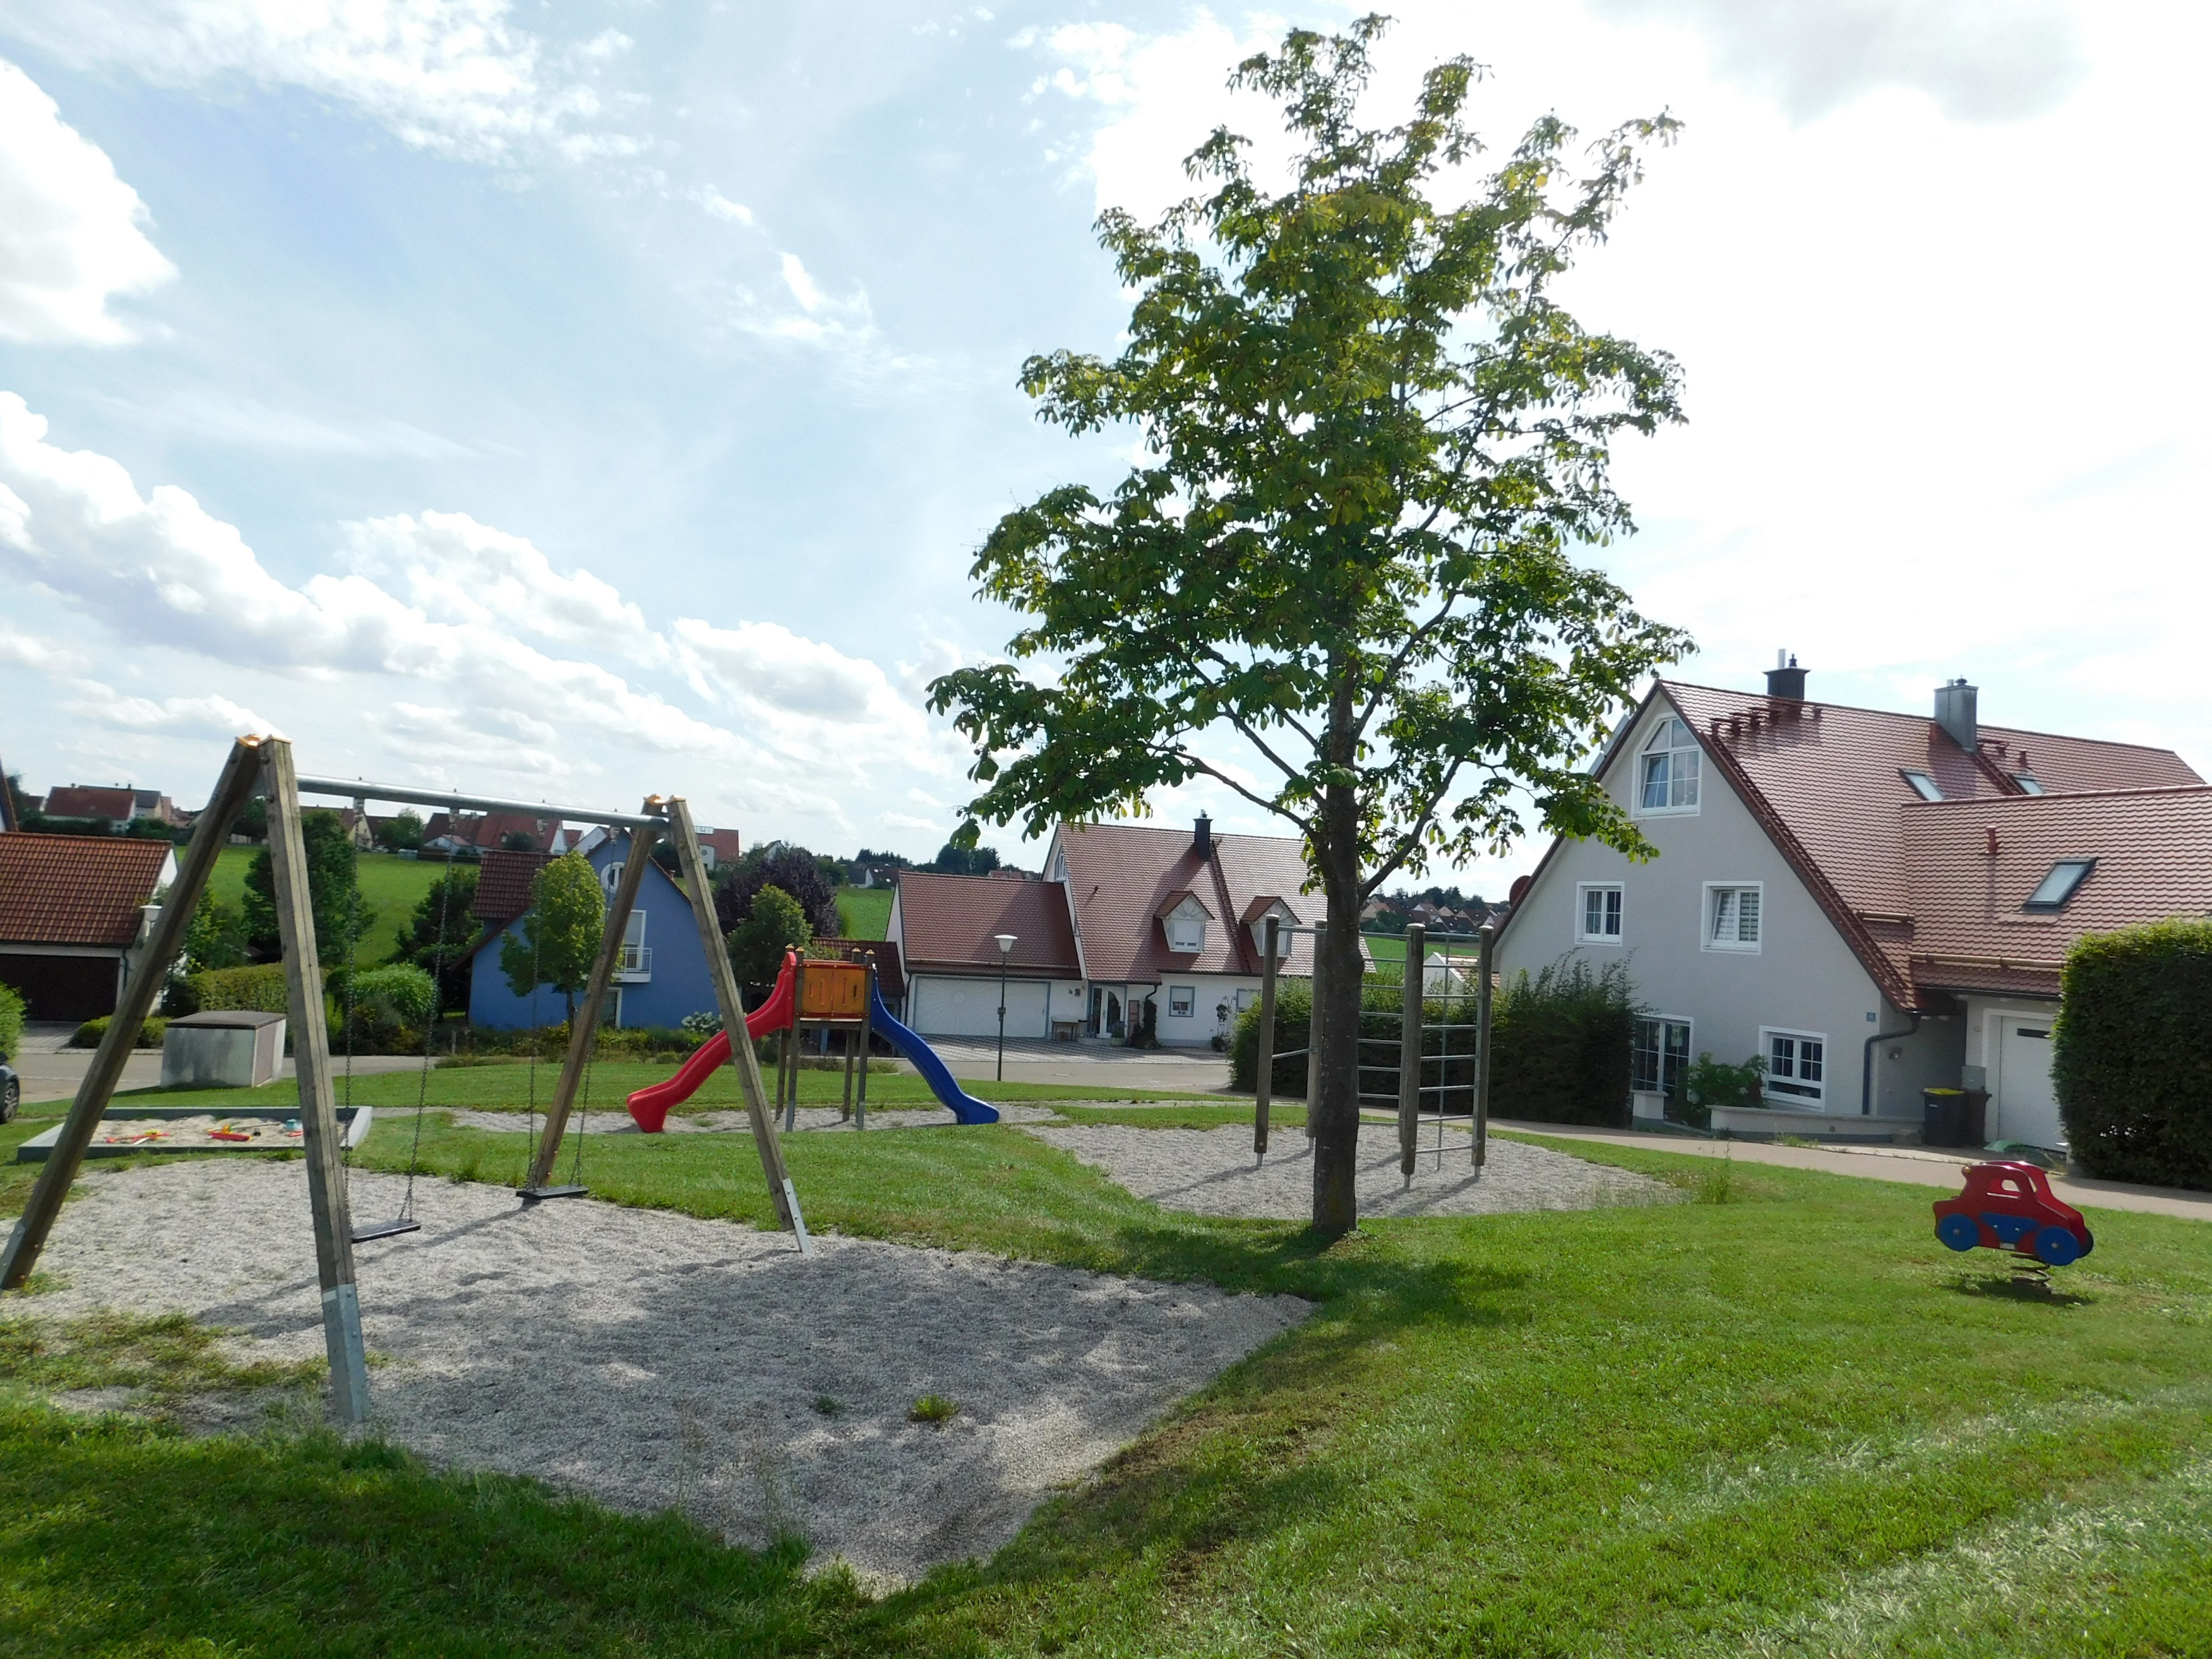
1584,890
1709,919
1686,808
1793,1088
1662,1020
1188,995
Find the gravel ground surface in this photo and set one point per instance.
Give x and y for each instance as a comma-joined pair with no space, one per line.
650,1359
1214,1172
618,1122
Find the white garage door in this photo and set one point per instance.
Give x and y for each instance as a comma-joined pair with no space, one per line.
969,1007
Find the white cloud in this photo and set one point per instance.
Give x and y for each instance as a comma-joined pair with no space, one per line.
1980,60
456,75
25,652
179,717
72,234
722,207
212,415
421,644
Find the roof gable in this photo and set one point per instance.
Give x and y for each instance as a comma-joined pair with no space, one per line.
1122,878
78,890
953,921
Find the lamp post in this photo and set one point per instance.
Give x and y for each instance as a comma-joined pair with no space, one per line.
1005,949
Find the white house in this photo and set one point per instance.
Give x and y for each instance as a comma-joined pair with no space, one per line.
1872,903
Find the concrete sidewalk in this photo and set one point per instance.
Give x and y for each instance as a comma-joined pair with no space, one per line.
1917,1166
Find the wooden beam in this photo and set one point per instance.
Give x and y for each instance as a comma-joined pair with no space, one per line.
733,1008
1409,1050
585,1028
1489,942
311,1064
233,789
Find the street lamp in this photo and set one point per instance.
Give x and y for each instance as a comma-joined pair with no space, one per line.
1005,949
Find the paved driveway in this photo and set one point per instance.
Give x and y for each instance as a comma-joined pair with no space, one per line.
1102,1065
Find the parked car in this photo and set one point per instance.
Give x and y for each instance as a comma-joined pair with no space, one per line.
2010,1206
11,1092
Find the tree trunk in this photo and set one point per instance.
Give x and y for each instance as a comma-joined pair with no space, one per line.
1334,1102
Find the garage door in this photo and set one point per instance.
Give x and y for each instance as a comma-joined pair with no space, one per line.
969,1007
62,987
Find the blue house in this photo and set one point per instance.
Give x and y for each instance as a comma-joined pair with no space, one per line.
662,975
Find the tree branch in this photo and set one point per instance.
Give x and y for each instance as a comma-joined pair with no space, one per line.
1198,762
1412,837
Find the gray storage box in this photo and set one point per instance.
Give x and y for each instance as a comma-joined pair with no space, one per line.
222,1048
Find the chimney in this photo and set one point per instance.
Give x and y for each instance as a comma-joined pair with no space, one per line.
1201,837
1954,713
1786,679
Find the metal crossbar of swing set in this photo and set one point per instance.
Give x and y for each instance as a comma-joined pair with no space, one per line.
454,801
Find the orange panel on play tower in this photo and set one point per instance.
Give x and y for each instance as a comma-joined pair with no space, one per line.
834,990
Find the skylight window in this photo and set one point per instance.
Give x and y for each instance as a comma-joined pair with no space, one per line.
2058,886
2029,785
1922,784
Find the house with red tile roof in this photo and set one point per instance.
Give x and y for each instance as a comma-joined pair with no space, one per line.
1126,914
1870,902
119,805
76,912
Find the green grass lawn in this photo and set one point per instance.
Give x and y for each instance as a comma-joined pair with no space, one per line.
1780,1420
866,911
390,886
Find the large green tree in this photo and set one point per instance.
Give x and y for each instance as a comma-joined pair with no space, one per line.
342,916
559,938
1340,579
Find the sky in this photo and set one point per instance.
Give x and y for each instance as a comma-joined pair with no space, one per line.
581,402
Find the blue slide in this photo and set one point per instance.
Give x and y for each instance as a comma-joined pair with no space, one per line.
957,1100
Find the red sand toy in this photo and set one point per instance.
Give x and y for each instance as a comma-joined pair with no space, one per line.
2010,1206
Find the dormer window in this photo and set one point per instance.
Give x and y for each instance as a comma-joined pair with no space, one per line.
1668,778
1922,784
1184,919
2058,886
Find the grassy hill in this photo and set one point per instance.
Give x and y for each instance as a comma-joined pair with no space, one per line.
390,886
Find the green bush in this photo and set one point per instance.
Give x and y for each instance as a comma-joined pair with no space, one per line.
11,1018
1711,1083
260,989
390,1006
1381,1006
89,1035
2132,1058
1562,1042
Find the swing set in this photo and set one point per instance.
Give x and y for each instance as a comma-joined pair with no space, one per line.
264,766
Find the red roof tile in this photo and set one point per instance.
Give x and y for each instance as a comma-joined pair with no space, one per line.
503,885
1971,930
949,922
77,889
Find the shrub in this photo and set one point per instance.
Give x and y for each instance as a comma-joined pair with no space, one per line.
391,1005
89,1034
11,1019
260,988
2132,1056
775,923
1561,1045
1711,1083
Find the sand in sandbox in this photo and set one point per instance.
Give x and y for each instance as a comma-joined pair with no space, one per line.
1214,1172
651,1360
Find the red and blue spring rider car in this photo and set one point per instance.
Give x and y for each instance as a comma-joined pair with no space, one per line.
2010,1206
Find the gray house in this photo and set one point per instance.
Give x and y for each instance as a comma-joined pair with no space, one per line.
1873,903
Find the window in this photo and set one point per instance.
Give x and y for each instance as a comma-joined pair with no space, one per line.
2029,785
1922,784
609,877
1181,1000
1669,780
1186,934
1732,916
2058,886
1796,1064
1658,1056
1245,1000
1600,920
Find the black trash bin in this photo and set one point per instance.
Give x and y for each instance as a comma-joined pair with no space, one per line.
1943,1117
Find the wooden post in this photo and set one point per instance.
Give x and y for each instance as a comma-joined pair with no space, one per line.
1271,936
867,1025
233,789
587,1022
1312,1034
1409,1049
733,1008
311,1065
791,1051
1488,936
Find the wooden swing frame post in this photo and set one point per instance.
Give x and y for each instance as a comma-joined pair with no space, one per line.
1313,1032
1409,1048
732,1008
1487,941
587,1027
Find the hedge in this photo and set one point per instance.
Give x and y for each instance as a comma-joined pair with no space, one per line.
2132,1053
1562,1042
11,1012
89,1035
259,989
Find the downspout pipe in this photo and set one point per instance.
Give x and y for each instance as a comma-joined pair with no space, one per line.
1866,1071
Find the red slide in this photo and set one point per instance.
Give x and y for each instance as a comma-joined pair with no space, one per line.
649,1107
